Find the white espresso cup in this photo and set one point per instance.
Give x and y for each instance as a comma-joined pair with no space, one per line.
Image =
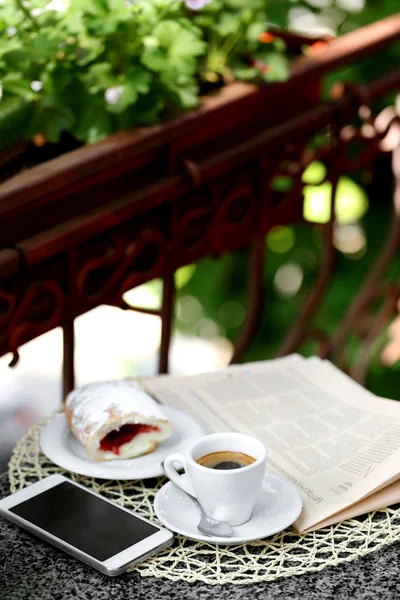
225,495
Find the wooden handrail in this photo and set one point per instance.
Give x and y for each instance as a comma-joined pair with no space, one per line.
354,46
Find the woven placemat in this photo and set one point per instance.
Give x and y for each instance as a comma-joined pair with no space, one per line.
285,554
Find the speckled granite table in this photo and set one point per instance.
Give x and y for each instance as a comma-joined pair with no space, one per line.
31,569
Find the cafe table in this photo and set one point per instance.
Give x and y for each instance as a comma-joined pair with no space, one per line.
32,569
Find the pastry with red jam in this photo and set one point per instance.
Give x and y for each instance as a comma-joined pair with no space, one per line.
116,420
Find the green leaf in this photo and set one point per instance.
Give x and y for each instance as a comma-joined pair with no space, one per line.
279,45
278,67
44,46
93,122
17,59
89,7
137,81
177,51
15,84
155,59
9,45
57,118
100,76
147,108
15,121
251,5
102,17
178,41
228,23
185,95
8,15
204,20
188,96
144,112
128,97
254,31
89,50
278,12
74,24
119,10
246,74
57,77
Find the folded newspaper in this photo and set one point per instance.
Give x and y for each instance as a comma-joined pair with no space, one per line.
337,442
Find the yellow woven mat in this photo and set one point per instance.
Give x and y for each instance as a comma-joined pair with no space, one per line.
285,554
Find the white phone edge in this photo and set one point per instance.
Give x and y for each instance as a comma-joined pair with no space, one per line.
114,565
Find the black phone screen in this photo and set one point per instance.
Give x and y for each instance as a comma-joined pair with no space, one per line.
85,521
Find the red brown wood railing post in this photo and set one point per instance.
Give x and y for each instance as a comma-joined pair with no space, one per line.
68,327
255,296
256,265
68,353
167,314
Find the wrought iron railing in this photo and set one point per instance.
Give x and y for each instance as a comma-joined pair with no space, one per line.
81,230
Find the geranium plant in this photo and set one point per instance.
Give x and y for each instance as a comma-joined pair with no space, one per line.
93,67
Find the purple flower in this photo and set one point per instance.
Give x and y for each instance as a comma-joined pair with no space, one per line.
196,4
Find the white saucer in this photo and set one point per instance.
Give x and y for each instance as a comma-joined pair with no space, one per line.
278,506
62,447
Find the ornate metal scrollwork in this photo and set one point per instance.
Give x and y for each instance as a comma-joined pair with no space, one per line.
103,279
30,314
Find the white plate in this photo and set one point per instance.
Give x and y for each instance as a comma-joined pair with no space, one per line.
62,447
278,506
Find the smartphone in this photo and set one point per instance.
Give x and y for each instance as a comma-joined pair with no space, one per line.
84,524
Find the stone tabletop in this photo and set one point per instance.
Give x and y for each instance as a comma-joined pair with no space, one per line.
33,570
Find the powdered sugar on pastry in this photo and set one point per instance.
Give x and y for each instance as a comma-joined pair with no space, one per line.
98,410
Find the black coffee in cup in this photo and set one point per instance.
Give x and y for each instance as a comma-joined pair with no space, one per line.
225,460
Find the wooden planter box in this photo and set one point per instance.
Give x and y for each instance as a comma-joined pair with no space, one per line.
80,230
94,175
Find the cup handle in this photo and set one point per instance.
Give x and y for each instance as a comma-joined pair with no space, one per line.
182,481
